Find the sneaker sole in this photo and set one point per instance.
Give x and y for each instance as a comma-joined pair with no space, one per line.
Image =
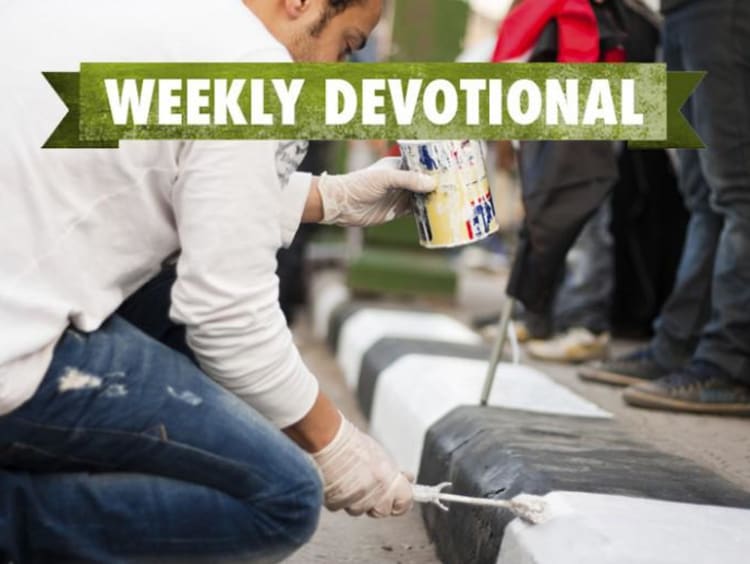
642,399
574,355
605,377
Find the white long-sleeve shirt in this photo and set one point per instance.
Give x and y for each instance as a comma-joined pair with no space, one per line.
81,230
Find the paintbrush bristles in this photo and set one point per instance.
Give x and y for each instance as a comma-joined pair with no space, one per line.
530,508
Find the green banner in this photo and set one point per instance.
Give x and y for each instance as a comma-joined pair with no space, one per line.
109,102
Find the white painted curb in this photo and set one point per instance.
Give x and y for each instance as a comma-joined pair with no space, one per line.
367,326
418,390
328,291
607,529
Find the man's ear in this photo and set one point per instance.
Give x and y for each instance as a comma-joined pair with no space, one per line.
297,8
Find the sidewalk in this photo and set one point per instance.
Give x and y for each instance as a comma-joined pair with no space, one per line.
721,444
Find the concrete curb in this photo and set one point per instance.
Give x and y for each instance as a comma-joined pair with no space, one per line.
329,293
416,391
388,350
609,529
501,453
414,373
365,327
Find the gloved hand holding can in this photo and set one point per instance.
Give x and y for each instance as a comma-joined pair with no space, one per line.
375,195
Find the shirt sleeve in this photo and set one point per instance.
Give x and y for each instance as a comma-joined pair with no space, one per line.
229,212
294,198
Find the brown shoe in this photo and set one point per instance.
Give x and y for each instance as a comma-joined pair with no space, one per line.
700,388
633,368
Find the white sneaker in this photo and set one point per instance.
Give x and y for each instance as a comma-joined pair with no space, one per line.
577,344
523,334
489,332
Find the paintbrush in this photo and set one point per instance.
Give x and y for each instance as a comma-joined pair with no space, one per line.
531,508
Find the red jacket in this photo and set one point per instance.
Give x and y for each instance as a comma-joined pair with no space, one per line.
578,31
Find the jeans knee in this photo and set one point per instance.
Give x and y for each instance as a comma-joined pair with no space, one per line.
294,507
307,501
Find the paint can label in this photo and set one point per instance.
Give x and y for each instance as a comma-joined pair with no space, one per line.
460,210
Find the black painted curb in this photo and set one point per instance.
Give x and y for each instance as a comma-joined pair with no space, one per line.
493,452
339,315
388,350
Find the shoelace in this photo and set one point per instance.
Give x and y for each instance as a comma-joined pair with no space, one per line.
688,381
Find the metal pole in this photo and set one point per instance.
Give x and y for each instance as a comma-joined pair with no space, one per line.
497,349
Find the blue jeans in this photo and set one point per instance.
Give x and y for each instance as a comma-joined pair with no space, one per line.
707,316
129,453
585,296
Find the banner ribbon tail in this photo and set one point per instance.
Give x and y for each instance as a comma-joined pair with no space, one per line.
67,133
680,134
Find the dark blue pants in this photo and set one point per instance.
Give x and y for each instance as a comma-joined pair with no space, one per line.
129,453
585,295
708,314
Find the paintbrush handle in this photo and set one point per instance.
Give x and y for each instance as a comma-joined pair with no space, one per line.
434,494
473,500
530,508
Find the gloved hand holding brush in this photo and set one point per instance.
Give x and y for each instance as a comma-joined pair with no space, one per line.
360,477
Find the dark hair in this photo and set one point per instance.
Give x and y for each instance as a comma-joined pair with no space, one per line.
341,5
335,7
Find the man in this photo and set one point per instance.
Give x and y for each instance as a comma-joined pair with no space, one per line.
114,447
699,358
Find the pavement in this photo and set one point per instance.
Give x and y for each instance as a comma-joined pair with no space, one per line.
721,444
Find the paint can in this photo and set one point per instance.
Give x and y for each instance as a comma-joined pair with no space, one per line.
460,210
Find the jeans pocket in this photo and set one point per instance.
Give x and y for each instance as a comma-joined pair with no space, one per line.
29,458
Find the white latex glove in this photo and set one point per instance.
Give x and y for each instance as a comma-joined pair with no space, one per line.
360,477
372,196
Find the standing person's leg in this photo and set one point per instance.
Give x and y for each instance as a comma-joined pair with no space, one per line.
583,302
726,340
564,184
683,316
678,328
128,452
715,36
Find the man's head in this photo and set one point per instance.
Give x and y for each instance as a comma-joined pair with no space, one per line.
319,30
